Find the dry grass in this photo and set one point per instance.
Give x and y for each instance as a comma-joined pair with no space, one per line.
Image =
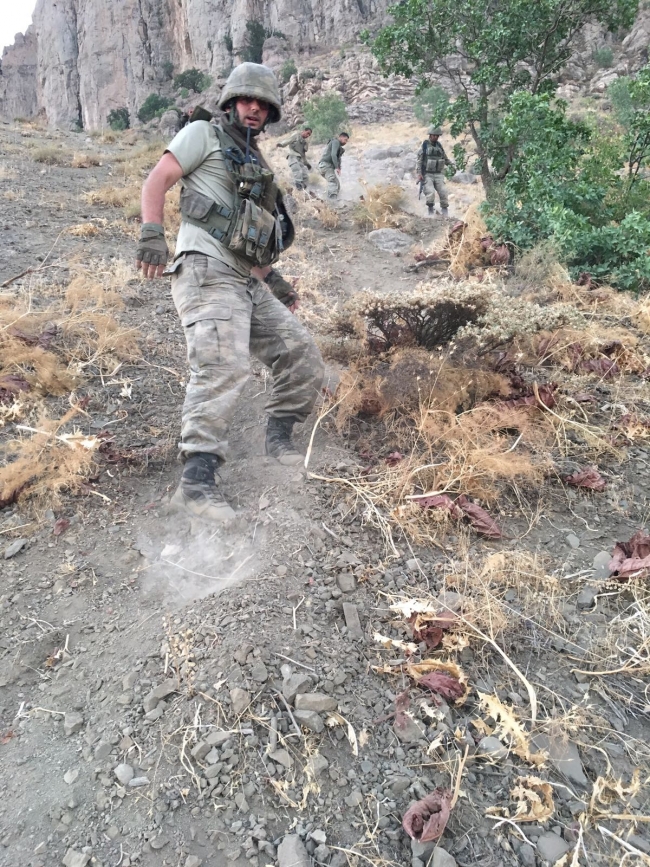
85,160
45,461
13,195
83,230
51,156
380,207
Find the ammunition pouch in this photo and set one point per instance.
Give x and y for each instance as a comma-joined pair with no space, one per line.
435,166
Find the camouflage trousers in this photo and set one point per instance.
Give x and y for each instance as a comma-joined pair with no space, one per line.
226,318
435,183
298,171
333,183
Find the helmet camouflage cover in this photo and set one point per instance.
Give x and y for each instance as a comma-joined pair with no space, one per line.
434,130
253,80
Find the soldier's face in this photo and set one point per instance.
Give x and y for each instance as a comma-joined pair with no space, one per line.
433,138
252,112
306,133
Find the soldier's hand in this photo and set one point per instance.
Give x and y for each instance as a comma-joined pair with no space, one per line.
282,289
152,252
338,171
419,180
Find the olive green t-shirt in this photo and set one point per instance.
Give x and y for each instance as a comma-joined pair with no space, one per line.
198,151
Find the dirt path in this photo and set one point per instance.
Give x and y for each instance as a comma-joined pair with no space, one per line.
148,668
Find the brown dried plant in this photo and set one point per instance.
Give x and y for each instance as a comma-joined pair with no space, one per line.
379,207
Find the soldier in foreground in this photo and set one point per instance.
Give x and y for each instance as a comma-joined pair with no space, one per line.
330,163
432,160
234,227
298,144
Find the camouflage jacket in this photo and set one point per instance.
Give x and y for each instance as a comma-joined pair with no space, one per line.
296,144
332,154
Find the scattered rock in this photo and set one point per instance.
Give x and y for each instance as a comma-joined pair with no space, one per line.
15,548
573,541
294,684
422,850
167,687
352,621
442,858
71,776
564,756
310,720
316,701
158,842
551,847
138,782
124,774
390,240
72,723
292,852
587,598
346,582
193,861
527,855
354,798
259,672
73,858
601,565
408,730
239,699
464,178
316,765
282,757
492,747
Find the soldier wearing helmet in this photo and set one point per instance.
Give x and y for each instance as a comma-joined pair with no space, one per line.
234,228
431,163
298,144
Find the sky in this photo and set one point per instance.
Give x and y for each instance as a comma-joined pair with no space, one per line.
15,17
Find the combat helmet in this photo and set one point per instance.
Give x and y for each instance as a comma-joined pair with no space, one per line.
256,80
434,130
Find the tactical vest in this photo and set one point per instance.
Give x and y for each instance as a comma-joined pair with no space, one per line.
433,158
257,226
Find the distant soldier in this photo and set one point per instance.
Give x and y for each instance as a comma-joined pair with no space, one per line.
298,144
432,160
330,163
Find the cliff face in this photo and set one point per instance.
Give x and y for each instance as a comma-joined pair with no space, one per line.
81,58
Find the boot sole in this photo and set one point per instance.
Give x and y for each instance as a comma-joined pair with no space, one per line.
210,514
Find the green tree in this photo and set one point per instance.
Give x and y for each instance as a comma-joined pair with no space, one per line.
288,69
486,52
638,134
118,119
326,115
153,106
167,69
256,34
430,102
192,79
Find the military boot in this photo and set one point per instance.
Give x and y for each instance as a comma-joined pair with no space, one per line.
198,493
430,210
279,444
444,212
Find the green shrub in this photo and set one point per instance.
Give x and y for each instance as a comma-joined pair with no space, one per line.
167,69
621,100
118,119
153,106
308,73
289,68
227,41
326,115
429,102
192,79
603,57
256,34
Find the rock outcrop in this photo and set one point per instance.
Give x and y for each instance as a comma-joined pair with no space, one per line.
82,58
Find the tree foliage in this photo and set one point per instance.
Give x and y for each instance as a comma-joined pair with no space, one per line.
153,106
118,119
327,115
429,103
192,79
256,34
487,52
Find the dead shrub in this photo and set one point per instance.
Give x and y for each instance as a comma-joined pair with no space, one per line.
379,207
85,161
83,230
51,156
45,462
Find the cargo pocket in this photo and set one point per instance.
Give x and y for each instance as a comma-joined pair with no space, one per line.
210,339
195,204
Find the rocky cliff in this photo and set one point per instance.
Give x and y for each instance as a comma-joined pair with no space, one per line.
82,58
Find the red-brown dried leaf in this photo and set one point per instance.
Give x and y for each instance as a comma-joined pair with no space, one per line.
584,397
11,497
431,629
603,367
439,501
499,255
632,558
427,257
479,518
528,397
427,818
11,385
445,685
585,279
402,701
60,526
7,736
588,478
394,458
458,227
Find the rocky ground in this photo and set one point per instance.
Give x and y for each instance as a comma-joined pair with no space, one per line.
172,695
